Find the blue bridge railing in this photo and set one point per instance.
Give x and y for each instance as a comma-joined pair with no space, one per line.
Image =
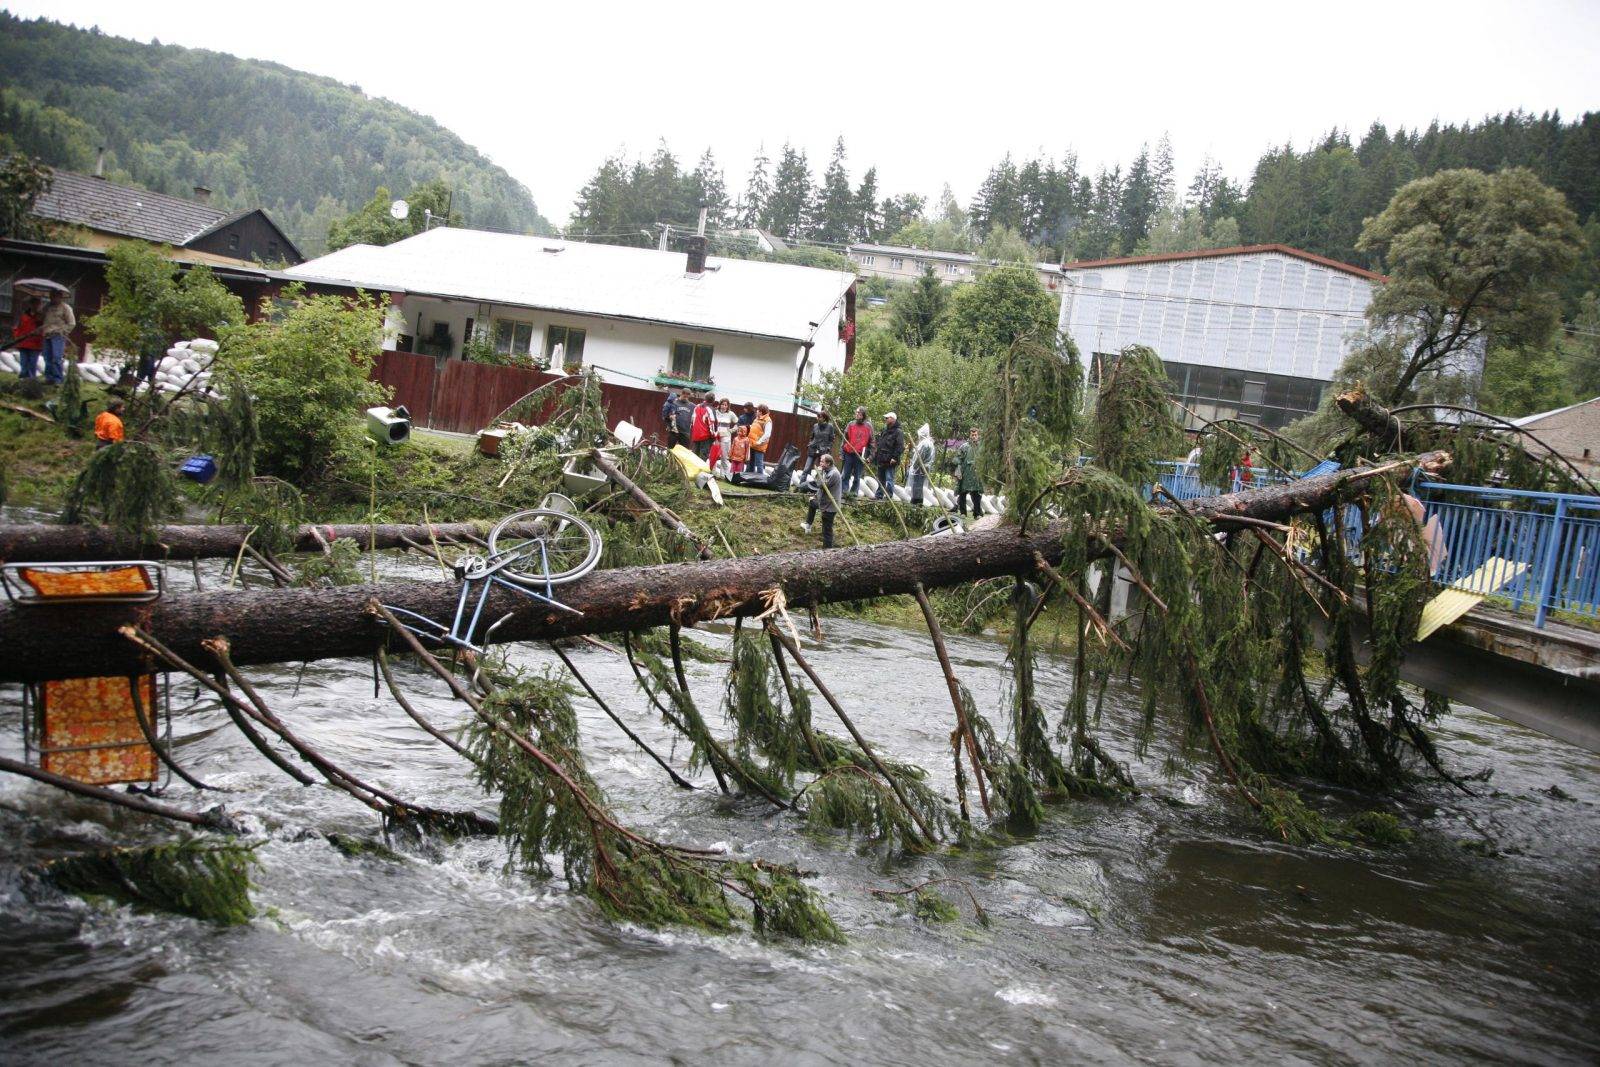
1556,534
1182,480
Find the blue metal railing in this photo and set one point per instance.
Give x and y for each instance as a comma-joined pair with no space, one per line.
1182,480
1556,534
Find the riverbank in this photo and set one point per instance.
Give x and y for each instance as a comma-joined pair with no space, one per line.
446,479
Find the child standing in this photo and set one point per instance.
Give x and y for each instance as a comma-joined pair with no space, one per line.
739,449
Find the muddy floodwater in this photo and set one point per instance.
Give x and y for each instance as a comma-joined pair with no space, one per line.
1166,928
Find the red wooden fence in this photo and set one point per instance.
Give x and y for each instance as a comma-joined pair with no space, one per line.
465,397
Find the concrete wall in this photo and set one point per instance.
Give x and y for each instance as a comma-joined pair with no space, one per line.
743,368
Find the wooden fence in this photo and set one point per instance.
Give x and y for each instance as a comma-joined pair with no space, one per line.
465,397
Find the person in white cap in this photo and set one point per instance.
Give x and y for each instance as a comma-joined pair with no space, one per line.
886,453
921,462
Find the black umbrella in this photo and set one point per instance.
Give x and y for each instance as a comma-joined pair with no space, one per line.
44,284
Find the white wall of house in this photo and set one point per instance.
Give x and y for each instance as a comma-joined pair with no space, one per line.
624,351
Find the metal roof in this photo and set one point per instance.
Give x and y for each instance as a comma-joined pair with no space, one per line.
83,200
920,253
1234,250
1530,420
775,300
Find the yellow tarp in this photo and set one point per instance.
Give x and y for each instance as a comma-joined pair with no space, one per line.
693,465
1466,593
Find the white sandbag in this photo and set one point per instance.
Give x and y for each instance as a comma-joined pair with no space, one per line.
945,497
10,361
177,353
182,344
190,366
204,345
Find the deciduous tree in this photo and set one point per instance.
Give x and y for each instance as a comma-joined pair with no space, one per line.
1470,256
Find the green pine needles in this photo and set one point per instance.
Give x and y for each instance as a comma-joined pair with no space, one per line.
526,745
129,485
203,880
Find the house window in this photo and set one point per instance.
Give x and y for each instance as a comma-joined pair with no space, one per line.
233,241
867,261
570,340
272,249
691,361
952,268
897,264
512,338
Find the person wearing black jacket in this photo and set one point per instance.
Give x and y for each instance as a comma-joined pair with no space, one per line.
886,453
823,434
682,420
669,418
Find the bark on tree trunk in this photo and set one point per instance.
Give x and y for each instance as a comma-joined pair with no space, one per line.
644,499
291,625
47,542
1382,427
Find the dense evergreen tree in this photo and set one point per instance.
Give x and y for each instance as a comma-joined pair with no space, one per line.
789,209
757,191
708,190
836,207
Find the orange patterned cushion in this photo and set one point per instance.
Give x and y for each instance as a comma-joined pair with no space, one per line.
97,711
117,581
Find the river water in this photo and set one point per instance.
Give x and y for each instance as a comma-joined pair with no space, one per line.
1165,928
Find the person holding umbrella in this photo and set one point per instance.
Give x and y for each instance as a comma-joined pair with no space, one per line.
26,335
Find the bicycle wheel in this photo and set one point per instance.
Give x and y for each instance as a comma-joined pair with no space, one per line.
570,547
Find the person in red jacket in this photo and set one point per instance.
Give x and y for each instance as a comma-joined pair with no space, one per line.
28,338
703,430
857,443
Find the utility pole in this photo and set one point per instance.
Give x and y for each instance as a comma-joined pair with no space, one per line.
666,232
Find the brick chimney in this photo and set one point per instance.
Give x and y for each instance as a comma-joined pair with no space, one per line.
697,257
202,194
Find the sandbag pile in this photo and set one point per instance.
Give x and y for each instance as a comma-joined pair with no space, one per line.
185,362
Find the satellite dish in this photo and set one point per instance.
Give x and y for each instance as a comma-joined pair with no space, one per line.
399,209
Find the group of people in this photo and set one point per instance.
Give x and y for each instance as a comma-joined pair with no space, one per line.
41,329
884,449
734,439
731,442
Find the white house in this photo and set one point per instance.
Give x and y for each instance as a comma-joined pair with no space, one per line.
635,315
1253,332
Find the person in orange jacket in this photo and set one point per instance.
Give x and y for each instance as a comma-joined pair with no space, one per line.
108,425
760,437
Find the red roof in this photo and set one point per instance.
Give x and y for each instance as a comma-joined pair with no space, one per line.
1236,250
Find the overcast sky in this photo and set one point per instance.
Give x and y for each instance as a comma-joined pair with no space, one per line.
929,93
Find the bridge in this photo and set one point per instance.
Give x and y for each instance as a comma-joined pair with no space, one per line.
1530,651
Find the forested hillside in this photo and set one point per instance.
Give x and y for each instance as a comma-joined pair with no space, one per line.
306,148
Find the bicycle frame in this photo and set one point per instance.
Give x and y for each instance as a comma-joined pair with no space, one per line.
484,573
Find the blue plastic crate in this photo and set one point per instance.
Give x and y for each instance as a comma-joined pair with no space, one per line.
199,469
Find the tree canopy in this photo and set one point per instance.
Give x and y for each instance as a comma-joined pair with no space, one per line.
151,302
374,225
1471,256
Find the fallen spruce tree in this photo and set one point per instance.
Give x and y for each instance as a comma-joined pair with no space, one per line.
39,542
1220,641
298,625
